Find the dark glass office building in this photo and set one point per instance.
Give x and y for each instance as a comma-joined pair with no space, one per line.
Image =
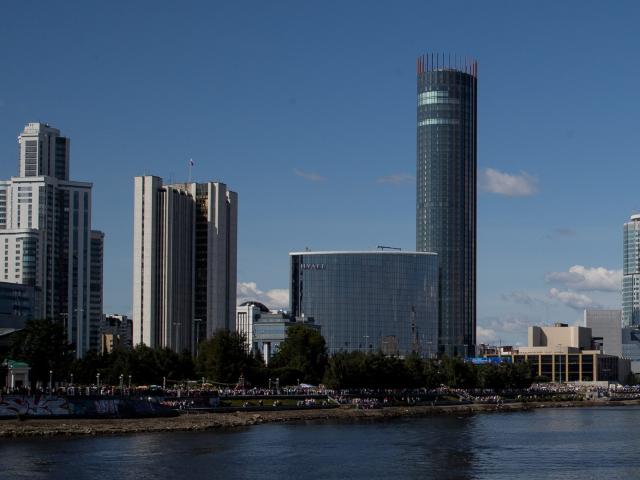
18,303
369,301
446,190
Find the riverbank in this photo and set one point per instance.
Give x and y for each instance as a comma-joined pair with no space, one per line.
211,421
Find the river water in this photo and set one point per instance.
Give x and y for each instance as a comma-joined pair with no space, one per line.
580,443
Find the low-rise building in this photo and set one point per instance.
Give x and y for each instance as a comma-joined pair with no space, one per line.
116,331
612,338
563,353
566,364
560,334
17,374
605,328
264,330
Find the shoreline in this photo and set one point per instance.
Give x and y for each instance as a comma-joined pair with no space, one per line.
215,421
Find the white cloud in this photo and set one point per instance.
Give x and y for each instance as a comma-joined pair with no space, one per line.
577,301
501,183
311,176
587,278
522,297
510,329
485,335
397,179
276,298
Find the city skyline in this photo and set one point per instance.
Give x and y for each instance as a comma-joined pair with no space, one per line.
312,149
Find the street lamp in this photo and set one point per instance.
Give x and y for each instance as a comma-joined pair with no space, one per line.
121,383
50,381
72,379
129,382
98,381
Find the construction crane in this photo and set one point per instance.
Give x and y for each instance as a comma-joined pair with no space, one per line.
384,247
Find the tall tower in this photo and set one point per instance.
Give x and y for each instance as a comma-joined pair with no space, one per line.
631,272
45,230
184,267
446,190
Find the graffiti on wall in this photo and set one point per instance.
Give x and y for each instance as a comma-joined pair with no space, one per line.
35,405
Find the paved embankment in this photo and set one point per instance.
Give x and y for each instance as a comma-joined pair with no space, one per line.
209,421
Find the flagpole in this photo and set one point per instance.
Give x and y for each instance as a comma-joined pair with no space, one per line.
190,166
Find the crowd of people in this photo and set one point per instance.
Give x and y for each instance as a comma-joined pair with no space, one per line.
205,395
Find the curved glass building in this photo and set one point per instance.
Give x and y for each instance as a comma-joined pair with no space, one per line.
446,190
368,301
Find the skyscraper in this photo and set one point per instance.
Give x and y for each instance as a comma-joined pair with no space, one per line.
184,272
446,190
631,272
45,229
96,302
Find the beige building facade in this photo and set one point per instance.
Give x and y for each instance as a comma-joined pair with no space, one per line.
185,262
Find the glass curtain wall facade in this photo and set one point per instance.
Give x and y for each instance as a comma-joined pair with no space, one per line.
631,272
446,190
368,301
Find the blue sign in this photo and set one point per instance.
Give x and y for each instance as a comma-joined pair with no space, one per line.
488,360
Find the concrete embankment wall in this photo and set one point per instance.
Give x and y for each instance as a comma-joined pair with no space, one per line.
12,406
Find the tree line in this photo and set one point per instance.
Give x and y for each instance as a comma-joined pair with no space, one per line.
301,358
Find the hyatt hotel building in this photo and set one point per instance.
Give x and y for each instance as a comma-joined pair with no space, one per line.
374,301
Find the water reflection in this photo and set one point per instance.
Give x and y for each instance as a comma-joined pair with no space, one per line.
549,443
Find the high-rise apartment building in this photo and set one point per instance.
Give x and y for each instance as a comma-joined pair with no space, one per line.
45,230
96,301
631,272
185,252
446,190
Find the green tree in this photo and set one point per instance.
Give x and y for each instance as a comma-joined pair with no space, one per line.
519,375
345,370
458,373
433,376
223,358
415,371
302,356
84,370
492,376
43,345
373,370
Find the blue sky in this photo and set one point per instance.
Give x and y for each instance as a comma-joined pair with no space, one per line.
307,110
